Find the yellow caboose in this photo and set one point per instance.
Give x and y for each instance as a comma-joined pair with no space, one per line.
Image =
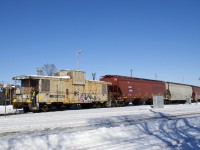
65,89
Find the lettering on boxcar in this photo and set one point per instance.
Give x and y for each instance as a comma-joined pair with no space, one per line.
57,96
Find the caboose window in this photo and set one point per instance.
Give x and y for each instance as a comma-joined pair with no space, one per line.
104,89
45,85
29,83
25,83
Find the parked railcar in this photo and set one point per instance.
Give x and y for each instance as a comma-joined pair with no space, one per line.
6,93
195,94
177,93
136,90
66,88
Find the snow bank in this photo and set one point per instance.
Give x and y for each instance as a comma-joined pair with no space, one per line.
8,109
141,127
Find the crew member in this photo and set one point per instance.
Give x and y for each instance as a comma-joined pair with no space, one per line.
34,93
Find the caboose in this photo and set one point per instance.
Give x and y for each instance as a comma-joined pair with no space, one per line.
65,89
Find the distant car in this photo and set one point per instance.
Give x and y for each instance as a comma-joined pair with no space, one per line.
2,98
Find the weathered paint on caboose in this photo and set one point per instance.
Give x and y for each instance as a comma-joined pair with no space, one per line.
65,88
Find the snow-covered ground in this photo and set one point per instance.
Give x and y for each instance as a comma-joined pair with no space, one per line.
8,109
132,127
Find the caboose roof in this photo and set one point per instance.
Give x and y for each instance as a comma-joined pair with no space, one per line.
23,77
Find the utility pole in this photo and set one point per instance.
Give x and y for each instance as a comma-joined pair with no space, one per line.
199,78
131,72
156,76
77,59
5,85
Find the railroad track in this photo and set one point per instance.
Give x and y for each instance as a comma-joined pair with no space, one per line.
118,142
126,120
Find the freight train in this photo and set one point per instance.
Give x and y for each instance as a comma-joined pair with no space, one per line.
124,90
69,88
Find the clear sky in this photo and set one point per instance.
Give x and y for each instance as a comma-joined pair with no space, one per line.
152,37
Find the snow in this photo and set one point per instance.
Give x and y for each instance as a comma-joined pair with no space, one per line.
132,127
40,76
8,109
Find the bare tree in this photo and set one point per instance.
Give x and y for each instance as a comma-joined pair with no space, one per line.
49,69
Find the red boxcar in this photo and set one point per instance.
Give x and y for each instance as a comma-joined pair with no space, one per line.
136,90
195,93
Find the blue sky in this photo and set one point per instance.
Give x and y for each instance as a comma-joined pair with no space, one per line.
150,37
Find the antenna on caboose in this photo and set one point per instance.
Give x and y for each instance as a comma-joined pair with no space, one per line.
94,76
77,58
156,76
40,71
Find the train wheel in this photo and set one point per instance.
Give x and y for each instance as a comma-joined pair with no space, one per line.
99,105
114,104
105,105
94,105
136,102
126,103
85,106
148,102
26,109
123,104
166,102
44,108
117,104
